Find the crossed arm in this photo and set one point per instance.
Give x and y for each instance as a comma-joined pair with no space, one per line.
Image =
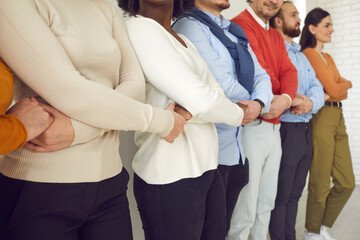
33,52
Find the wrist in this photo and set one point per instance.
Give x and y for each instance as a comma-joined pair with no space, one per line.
242,106
290,100
262,106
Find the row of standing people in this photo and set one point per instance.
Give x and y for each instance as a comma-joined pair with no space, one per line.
256,74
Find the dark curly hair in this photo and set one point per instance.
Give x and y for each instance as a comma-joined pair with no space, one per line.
314,17
131,7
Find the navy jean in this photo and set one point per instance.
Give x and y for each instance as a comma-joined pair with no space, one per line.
65,211
235,179
188,209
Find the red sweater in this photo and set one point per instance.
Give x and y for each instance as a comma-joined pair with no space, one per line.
269,48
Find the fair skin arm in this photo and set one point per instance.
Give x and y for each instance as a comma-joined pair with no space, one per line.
301,105
278,106
59,135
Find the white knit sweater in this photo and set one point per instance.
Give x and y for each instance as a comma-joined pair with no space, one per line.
176,73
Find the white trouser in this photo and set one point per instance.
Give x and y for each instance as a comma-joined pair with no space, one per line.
262,145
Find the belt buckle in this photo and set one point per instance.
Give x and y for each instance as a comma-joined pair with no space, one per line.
335,104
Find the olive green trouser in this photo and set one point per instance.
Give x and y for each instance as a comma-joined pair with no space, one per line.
331,159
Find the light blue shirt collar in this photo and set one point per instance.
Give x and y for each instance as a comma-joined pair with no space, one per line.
294,47
221,21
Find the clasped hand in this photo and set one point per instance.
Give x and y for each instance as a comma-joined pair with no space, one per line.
60,134
48,129
181,115
278,106
251,110
301,105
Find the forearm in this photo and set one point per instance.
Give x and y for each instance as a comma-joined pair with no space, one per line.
288,79
6,87
262,85
84,132
173,76
57,80
13,134
278,106
316,95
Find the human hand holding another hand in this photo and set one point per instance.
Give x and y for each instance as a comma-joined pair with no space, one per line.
179,123
35,119
301,107
251,112
183,112
60,134
278,106
298,100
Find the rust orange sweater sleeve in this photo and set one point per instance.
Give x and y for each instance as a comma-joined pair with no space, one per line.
334,85
13,134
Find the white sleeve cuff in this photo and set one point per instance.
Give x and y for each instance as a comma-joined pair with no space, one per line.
289,100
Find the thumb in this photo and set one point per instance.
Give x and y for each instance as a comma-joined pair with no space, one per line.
171,107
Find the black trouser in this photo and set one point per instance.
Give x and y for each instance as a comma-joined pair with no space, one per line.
188,209
65,211
234,178
295,163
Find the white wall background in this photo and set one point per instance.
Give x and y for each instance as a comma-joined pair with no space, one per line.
345,50
236,6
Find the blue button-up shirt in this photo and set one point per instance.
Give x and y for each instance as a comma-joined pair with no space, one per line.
222,67
309,85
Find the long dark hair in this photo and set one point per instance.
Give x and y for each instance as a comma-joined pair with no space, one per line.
132,6
314,17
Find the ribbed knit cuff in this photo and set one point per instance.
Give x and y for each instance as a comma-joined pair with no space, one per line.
84,132
162,122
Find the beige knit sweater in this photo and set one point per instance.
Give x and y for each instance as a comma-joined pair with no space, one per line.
77,57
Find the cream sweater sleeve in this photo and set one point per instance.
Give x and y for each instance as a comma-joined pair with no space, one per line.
166,70
132,82
34,54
